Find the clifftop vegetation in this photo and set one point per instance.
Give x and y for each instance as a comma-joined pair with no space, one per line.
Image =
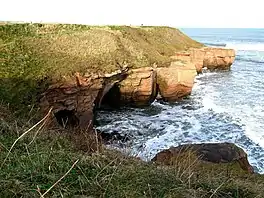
33,55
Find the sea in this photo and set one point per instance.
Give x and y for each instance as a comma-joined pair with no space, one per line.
225,106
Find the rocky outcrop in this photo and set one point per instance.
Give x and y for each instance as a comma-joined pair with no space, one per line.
176,81
211,58
73,101
217,58
210,152
139,88
191,57
142,85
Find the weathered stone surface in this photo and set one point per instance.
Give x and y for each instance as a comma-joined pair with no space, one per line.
139,88
212,58
197,57
73,102
176,81
218,58
75,97
211,152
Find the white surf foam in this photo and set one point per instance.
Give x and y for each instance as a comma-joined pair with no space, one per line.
246,46
215,120
173,137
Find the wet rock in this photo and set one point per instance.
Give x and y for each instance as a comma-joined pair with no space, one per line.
211,152
139,88
114,136
176,81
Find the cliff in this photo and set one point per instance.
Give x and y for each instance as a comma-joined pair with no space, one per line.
77,68
33,56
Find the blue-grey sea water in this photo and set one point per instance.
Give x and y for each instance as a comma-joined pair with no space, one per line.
224,106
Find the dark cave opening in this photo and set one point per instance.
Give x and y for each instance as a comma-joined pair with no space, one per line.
111,99
67,118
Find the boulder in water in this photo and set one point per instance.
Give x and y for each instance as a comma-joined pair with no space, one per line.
218,58
176,81
139,88
212,58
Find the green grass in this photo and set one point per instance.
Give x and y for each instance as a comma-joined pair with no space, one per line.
38,164
33,56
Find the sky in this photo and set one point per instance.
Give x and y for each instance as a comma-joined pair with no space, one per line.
175,13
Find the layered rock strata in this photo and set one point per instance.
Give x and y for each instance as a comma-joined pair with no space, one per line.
211,58
73,101
176,81
140,87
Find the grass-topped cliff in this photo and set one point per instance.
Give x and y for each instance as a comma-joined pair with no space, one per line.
31,54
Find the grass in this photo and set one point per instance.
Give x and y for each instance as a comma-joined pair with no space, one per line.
33,56
33,167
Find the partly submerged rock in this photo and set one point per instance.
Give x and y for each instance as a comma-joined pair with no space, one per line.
212,58
211,152
218,58
176,81
113,137
139,88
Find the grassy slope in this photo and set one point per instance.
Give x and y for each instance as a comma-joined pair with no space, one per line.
39,164
31,54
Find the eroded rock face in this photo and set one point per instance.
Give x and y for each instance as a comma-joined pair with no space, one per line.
217,58
176,81
212,58
211,152
139,88
195,56
73,101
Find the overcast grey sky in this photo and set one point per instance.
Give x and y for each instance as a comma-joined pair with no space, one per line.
182,13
